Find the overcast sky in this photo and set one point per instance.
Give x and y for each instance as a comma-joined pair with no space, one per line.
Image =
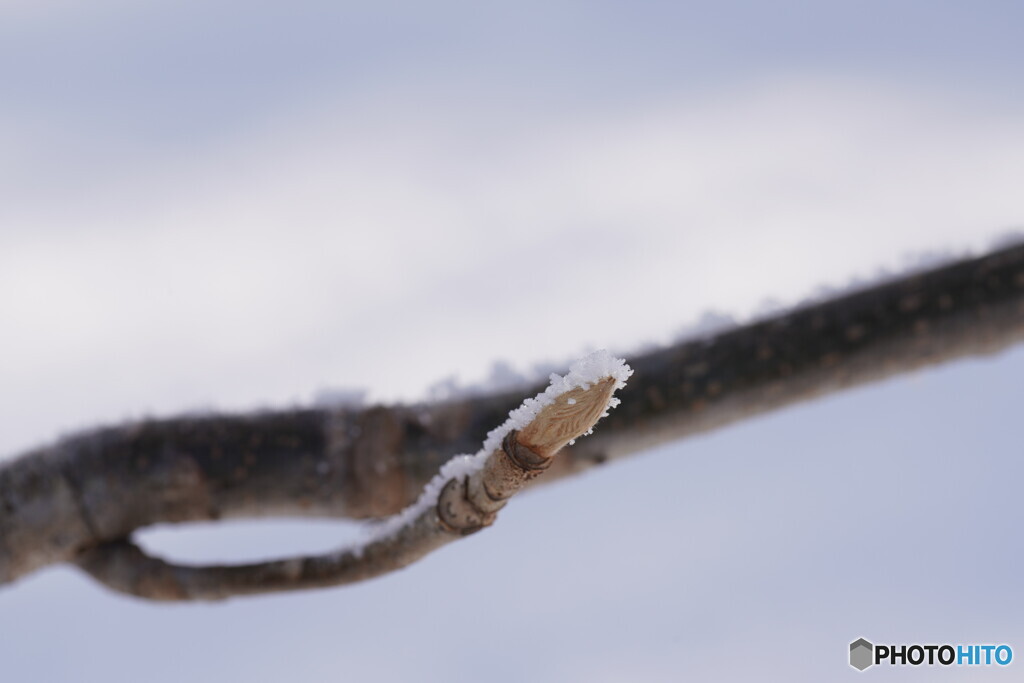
217,205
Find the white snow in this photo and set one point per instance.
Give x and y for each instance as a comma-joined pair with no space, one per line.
582,374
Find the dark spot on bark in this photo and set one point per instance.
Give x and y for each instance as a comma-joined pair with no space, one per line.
655,398
910,302
855,332
830,359
696,369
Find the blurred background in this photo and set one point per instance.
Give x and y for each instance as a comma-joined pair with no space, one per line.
229,206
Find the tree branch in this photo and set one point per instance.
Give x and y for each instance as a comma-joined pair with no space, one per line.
969,308
462,499
96,488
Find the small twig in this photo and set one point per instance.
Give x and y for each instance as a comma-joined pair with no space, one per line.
462,499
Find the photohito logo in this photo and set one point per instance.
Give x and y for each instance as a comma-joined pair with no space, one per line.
863,654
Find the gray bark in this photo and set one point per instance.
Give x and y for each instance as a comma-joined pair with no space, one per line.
84,496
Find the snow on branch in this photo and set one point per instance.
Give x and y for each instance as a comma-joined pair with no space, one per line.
462,498
76,499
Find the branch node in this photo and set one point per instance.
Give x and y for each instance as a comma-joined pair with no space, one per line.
528,460
457,513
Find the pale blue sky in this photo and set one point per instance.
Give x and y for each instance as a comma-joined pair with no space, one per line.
226,205
890,512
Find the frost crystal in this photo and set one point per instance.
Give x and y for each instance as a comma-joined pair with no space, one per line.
582,374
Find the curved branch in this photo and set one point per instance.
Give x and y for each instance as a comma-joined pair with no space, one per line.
464,498
100,486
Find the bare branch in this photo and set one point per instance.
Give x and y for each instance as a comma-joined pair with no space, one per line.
465,498
969,308
97,488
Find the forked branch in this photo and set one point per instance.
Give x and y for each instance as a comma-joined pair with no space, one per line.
463,498
83,495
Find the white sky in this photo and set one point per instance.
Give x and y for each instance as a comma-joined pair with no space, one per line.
388,250
204,205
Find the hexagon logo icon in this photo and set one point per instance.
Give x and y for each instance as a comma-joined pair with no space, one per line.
861,654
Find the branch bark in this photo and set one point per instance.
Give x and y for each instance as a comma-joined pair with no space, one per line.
64,501
468,500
